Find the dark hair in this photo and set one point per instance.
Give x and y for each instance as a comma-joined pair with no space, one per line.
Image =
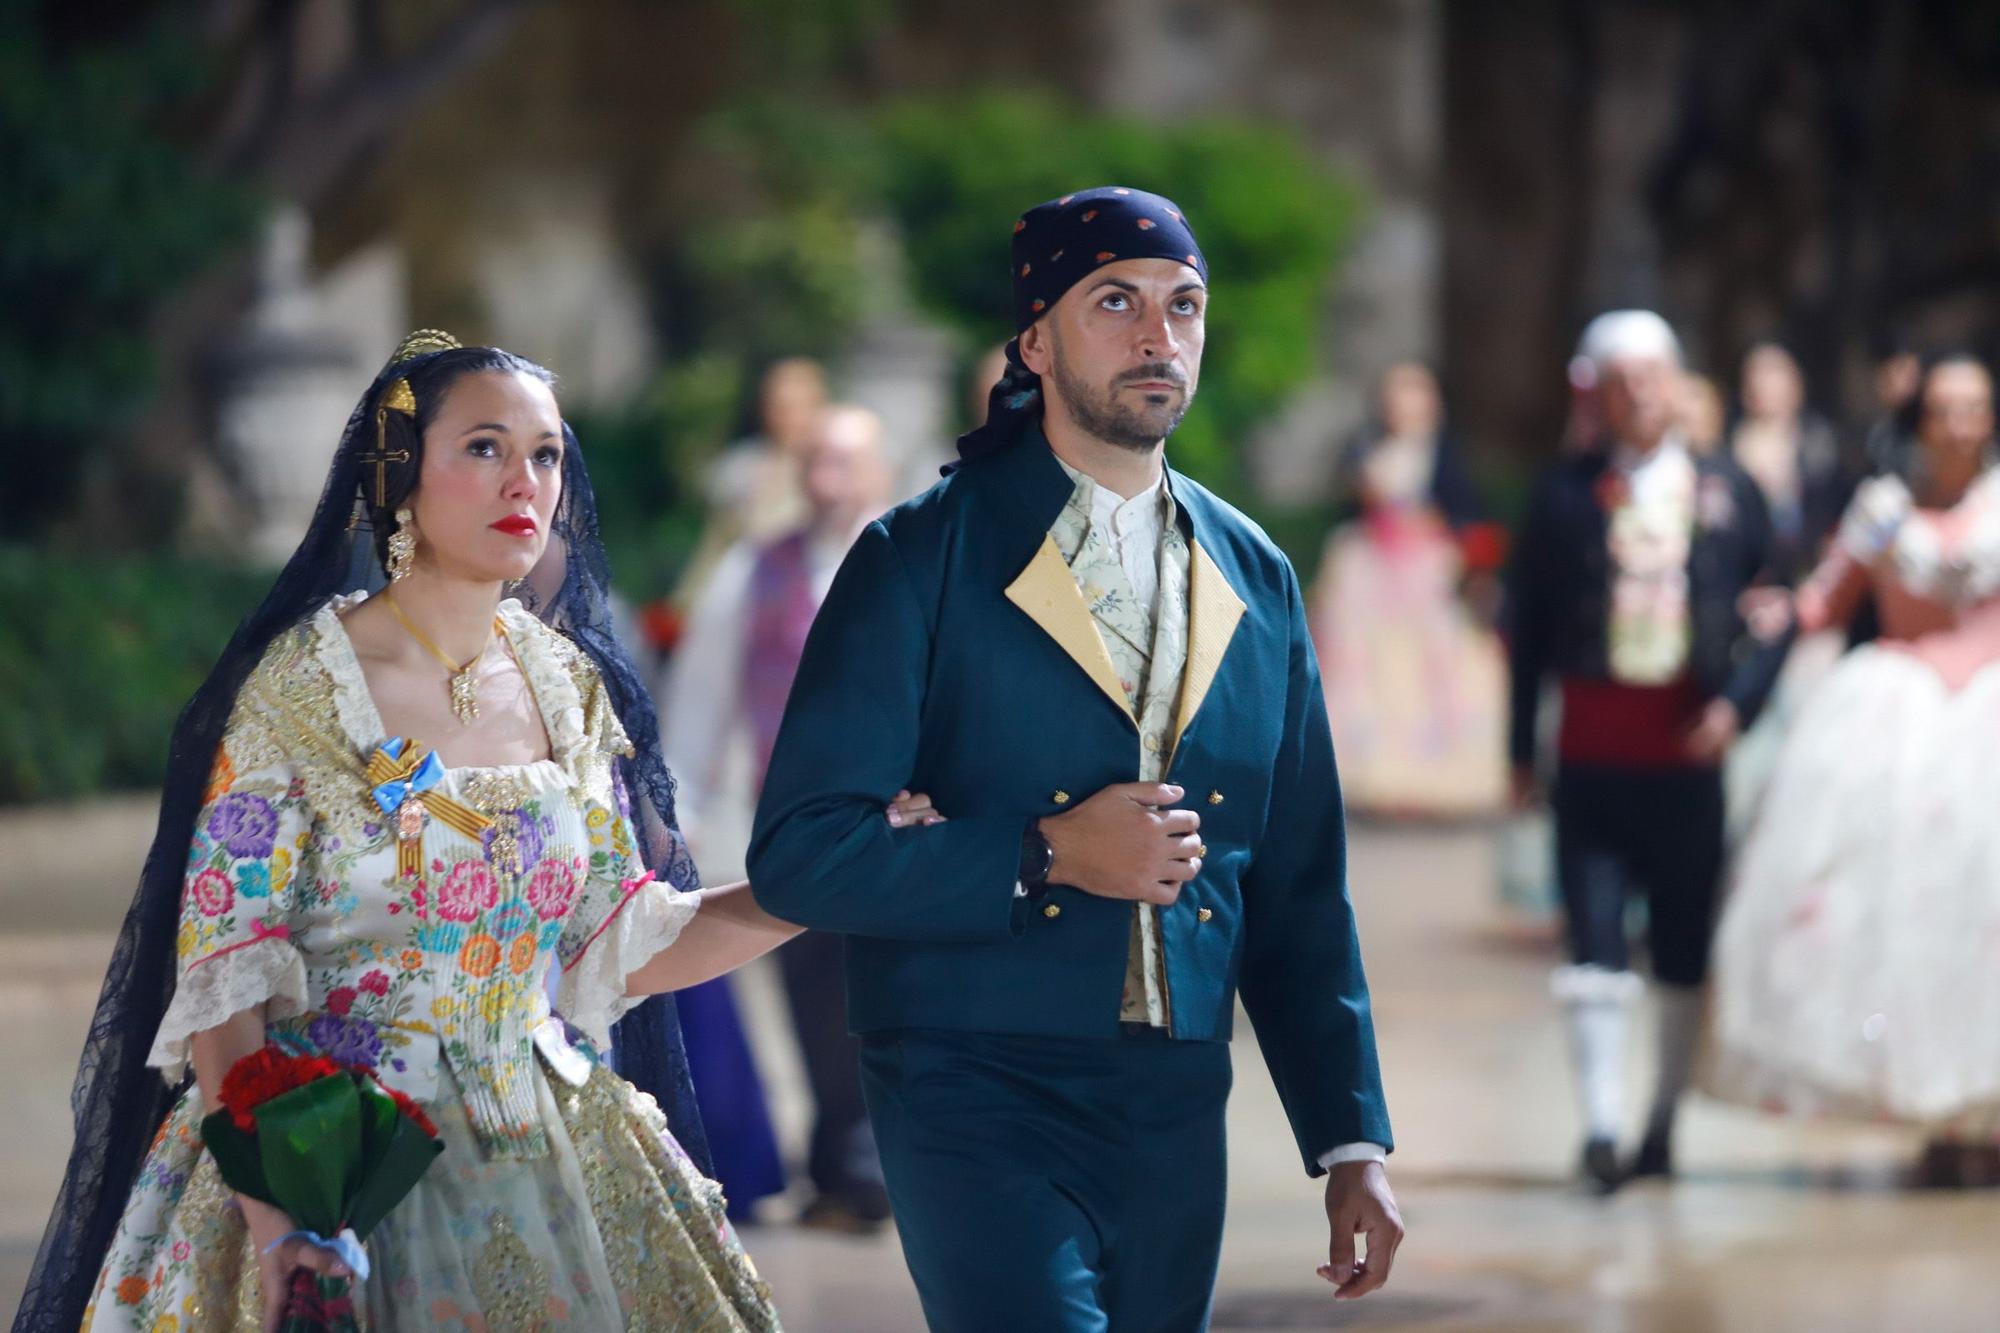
118,1101
1910,416
430,379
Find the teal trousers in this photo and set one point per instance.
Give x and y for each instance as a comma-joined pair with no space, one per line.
1051,1184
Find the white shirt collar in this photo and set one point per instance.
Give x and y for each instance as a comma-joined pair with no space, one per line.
1122,518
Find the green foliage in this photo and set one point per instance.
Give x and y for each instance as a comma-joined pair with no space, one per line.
103,217
645,468
1272,222
802,39
97,657
776,245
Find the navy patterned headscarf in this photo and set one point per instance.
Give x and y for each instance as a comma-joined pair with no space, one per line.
1057,245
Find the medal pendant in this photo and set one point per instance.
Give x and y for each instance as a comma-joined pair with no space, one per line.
410,836
464,697
410,818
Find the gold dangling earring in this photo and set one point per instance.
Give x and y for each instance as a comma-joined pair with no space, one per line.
402,547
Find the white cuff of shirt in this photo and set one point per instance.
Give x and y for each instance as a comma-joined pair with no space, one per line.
1353,1152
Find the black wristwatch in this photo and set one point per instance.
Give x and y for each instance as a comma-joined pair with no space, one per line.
1037,859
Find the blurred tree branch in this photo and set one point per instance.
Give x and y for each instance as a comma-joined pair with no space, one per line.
138,145
304,134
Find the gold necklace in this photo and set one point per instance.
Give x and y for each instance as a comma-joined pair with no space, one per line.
464,689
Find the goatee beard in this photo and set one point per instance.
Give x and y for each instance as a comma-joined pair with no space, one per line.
1104,418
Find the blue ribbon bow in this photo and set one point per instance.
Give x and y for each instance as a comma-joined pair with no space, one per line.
391,794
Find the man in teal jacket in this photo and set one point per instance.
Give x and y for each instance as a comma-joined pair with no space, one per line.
1101,673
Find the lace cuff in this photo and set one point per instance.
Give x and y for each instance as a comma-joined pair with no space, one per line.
591,995
267,970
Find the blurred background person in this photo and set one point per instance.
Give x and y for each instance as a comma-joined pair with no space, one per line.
1892,385
1794,456
1856,972
1415,687
1624,587
1703,414
752,487
731,679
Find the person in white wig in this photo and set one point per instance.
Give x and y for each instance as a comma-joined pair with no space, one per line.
1624,590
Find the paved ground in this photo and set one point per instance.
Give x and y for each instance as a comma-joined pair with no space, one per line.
1778,1226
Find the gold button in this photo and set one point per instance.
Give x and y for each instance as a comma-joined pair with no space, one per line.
1215,798
1052,911
1202,851
1203,914
1060,798
1152,744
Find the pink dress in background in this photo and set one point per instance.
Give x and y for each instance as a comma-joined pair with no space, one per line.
1858,958
1415,686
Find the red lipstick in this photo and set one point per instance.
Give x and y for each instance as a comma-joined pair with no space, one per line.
517,525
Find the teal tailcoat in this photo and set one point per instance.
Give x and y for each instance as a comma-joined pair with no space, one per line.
954,655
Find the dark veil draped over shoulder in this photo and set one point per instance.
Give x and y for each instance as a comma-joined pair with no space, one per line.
118,1101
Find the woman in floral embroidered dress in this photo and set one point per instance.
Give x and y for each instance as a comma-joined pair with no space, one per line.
1858,959
420,812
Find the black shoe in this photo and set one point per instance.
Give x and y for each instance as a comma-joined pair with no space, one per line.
1656,1155
1601,1166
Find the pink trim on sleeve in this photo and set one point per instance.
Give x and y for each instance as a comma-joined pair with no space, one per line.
631,887
259,932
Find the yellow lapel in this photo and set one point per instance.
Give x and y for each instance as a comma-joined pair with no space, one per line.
1213,610
1047,591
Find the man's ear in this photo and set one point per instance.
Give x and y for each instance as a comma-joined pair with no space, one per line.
1037,354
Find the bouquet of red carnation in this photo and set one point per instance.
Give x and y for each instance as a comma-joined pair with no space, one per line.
331,1147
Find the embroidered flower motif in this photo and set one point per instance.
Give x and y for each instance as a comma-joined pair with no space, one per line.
1039,306
1146,224
467,891
341,999
552,889
411,960
254,880
186,939
1090,215
212,892
221,778
347,1041
1020,225
1104,255
244,823
132,1290
480,955
511,921
521,956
